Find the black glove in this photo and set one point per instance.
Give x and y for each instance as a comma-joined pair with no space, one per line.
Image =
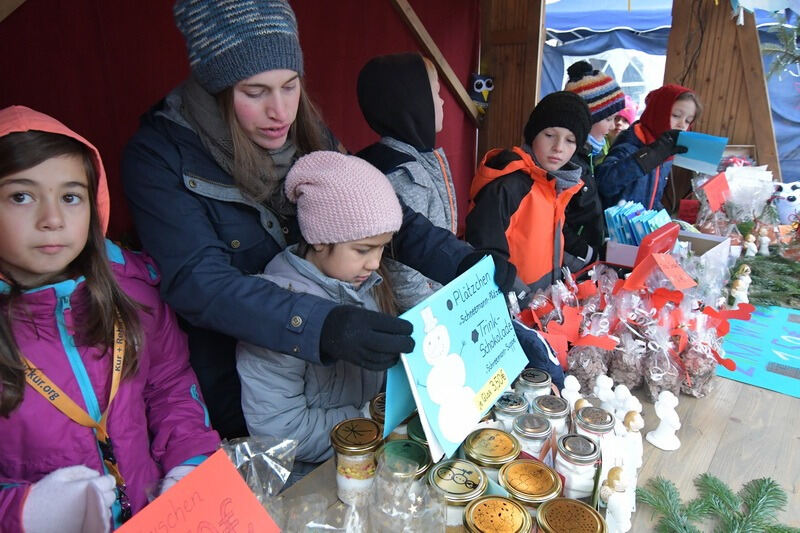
504,272
365,338
656,153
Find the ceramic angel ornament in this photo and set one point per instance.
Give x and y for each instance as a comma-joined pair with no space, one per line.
632,441
602,389
749,245
618,508
668,423
763,241
571,391
739,293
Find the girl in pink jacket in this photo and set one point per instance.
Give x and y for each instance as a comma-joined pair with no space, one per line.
98,403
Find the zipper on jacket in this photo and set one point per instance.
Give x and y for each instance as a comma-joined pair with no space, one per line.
450,194
196,397
655,188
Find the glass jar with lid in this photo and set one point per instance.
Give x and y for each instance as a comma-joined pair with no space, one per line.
415,431
496,514
564,514
377,412
508,406
555,409
532,431
490,449
411,451
459,482
598,425
530,483
355,440
576,460
532,383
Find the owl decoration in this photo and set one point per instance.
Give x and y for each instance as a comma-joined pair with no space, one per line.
479,88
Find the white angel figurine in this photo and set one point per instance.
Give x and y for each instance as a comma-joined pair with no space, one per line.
763,241
618,508
664,435
602,390
571,391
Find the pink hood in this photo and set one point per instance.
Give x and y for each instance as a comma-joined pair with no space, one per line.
19,118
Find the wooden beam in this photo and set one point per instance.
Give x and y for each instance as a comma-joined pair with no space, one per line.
7,6
431,50
757,95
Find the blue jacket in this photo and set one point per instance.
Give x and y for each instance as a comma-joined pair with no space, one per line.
619,176
207,239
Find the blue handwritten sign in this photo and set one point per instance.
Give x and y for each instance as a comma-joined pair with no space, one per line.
704,151
466,354
766,350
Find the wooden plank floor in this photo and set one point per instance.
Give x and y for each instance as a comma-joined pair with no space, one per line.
737,433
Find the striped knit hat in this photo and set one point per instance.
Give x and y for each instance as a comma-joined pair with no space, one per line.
599,90
231,41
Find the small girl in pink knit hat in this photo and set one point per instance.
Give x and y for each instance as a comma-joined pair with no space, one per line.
347,211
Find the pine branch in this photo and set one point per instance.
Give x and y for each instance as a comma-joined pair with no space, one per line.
762,499
718,495
662,495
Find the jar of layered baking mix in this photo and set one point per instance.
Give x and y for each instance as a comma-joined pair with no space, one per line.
532,431
532,383
459,482
491,449
555,409
530,483
355,441
507,407
576,460
377,412
411,451
564,514
496,514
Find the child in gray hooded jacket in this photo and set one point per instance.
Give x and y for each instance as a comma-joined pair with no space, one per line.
347,212
399,98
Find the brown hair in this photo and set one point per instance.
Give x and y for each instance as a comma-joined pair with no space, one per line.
23,150
689,95
383,292
252,165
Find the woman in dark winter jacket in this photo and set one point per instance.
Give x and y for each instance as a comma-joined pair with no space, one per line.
204,179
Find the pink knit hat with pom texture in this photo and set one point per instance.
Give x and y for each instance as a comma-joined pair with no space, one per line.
341,198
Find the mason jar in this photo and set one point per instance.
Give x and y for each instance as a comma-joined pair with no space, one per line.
377,412
555,409
355,441
532,431
530,483
594,422
576,460
459,481
563,514
491,449
508,406
532,383
496,514
415,431
412,451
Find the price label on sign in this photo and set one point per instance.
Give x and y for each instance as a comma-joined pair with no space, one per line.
491,390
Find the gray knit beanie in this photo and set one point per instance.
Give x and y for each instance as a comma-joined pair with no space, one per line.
231,41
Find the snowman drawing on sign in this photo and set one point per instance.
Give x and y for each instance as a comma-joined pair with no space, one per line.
445,384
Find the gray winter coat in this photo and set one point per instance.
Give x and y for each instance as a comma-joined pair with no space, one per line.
285,396
426,186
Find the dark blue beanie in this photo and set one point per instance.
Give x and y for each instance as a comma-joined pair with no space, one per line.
231,41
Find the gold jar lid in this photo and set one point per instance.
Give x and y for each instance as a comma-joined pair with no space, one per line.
415,431
491,447
534,378
496,514
533,426
511,403
565,514
377,408
529,481
594,419
356,436
409,450
578,449
551,406
458,480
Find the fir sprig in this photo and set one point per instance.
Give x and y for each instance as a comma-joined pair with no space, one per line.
752,509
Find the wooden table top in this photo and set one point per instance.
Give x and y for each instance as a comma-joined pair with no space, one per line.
737,433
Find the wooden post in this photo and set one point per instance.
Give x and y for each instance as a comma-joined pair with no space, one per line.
7,6
431,50
512,37
721,61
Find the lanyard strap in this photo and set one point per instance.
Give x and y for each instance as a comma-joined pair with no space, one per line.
53,394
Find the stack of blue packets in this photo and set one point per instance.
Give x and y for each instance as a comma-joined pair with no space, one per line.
628,223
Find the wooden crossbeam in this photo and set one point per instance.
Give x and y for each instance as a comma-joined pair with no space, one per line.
432,51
